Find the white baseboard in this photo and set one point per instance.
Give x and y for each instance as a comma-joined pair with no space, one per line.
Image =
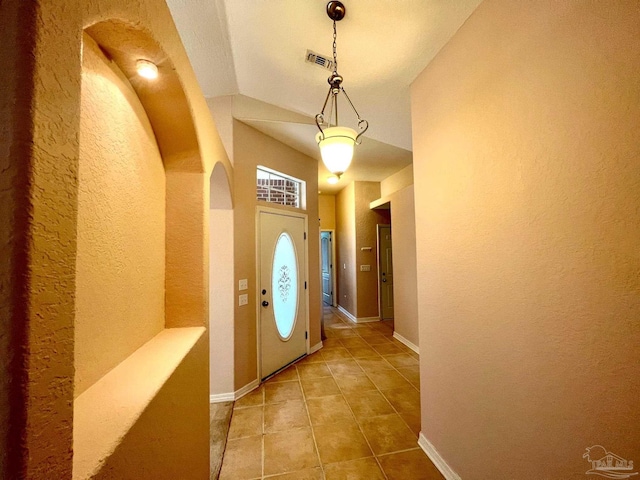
437,460
367,319
315,348
232,396
409,344
238,394
350,317
221,397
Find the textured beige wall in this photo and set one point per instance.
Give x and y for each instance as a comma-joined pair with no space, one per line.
527,178
159,445
397,181
221,301
327,211
405,289
39,101
252,148
121,223
367,236
345,248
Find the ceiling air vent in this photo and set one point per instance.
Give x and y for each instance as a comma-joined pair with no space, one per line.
319,60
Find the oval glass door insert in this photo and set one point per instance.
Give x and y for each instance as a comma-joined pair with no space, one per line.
284,285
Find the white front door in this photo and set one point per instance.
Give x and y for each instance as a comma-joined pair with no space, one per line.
282,290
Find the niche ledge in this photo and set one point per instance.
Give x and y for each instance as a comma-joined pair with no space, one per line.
104,413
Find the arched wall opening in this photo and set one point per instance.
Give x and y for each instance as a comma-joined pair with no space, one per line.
221,287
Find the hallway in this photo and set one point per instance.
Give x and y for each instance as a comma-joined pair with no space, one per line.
349,411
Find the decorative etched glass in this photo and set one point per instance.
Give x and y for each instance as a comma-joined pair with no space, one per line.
284,285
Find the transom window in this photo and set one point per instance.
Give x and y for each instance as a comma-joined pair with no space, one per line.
276,187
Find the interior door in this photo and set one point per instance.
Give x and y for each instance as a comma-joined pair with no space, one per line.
326,250
385,268
282,296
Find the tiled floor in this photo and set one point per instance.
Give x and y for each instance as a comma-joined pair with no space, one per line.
350,411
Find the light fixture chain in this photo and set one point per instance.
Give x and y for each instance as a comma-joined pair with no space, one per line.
335,55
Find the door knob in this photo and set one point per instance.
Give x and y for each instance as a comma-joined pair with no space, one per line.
384,279
265,303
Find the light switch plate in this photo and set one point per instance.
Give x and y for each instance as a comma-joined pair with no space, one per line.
365,268
243,299
243,284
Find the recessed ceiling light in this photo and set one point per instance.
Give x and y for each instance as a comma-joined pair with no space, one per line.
147,69
333,179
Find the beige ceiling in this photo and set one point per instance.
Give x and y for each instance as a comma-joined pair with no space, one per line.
257,48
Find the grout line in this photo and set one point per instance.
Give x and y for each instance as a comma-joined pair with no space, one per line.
313,433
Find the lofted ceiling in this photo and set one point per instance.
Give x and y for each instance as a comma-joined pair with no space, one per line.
257,48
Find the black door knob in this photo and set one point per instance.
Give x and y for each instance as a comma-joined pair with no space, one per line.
265,303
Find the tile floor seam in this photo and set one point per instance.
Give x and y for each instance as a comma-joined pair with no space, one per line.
313,433
362,431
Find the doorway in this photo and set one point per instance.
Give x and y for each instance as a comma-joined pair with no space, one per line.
282,289
326,266
385,272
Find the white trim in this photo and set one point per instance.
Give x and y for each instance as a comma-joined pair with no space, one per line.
346,314
437,460
233,396
238,394
409,344
367,319
222,397
315,348
334,282
350,317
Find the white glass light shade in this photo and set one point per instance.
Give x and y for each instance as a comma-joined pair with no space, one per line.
337,148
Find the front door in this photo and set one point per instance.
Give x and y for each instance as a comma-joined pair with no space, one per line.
282,295
326,250
386,272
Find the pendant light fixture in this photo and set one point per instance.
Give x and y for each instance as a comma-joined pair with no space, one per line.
336,142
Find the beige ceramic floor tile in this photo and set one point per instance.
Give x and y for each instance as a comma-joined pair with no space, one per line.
287,375
405,399
246,422
388,379
289,415
363,352
289,451
324,410
388,433
331,343
386,349
401,360
340,442
369,404
376,339
281,392
354,384
319,387
251,399
344,367
242,459
335,354
360,469
412,374
313,358
412,465
374,364
352,342
314,370
306,474
412,420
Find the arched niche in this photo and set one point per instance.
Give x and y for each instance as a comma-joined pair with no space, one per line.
221,287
